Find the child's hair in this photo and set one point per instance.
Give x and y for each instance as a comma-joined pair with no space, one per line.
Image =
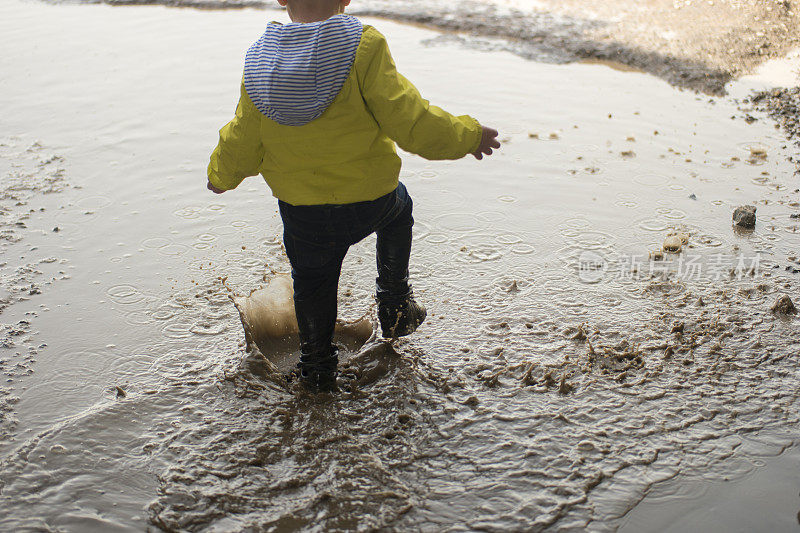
321,9
311,4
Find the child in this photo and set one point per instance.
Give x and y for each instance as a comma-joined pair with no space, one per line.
321,109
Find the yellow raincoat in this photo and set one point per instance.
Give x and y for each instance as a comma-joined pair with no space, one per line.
347,154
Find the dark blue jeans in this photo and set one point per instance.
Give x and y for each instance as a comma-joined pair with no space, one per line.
317,238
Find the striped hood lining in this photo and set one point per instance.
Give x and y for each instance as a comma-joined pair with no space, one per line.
295,71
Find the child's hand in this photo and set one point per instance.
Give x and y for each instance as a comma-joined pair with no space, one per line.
488,141
214,189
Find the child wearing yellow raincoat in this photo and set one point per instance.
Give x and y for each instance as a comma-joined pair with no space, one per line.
321,108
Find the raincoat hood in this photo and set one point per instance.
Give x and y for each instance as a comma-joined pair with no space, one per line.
295,71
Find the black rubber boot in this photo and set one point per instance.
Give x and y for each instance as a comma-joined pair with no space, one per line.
400,317
318,371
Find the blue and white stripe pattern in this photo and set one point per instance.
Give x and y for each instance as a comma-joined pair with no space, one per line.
294,71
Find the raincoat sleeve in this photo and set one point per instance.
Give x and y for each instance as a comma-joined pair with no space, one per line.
240,151
404,115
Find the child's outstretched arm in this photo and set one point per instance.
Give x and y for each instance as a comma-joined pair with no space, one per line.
410,120
239,152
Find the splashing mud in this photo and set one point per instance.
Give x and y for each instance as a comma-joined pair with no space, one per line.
562,377
270,327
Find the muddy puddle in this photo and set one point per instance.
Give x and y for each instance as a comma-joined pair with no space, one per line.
696,45
565,379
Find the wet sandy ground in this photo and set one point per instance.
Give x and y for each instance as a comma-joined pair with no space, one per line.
552,388
701,45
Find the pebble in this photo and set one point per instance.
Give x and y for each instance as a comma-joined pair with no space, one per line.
673,244
745,216
784,306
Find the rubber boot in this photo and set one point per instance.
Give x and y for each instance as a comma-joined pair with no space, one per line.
400,316
319,370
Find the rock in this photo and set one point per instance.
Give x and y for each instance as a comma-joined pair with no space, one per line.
745,216
673,244
784,306
564,387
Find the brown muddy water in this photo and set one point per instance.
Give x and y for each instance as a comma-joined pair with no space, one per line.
563,380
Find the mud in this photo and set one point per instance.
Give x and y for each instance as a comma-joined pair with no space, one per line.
715,502
562,377
28,171
270,326
783,106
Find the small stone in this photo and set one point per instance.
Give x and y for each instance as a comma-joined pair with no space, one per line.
745,216
564,387
784,306
673,244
